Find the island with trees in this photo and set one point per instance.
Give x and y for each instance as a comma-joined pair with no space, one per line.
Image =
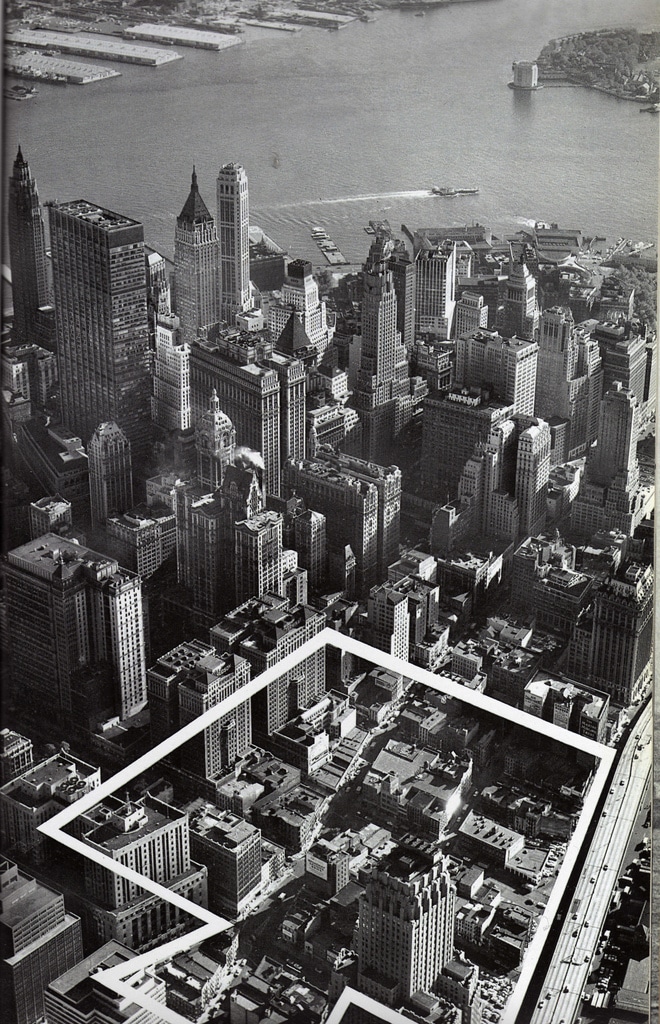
622,62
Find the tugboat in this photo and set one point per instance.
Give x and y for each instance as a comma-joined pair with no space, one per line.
446,193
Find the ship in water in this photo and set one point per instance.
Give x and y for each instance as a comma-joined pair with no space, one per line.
20,92
450,193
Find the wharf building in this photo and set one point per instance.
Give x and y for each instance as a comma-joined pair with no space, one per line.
611,496
300,299
233,225
231,849
110,473
153,839
99,281
170,403
196,267
200,687
16,755
435,283
362,505
78,996
263,631
37,795
40,941
405,929
27,251
518,312
69,610
259,388
383,389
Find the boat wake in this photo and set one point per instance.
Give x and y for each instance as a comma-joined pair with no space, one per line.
413,194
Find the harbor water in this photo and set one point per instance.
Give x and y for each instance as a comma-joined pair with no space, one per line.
337,128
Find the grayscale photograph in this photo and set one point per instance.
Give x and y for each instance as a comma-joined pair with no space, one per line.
329,389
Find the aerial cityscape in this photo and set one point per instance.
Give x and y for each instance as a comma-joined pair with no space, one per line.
329,388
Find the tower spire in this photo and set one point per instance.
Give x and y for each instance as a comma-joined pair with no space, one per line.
194,178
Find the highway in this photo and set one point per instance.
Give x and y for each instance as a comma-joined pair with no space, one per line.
560,998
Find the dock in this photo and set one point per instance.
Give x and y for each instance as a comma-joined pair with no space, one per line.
282,26
39,67
91,46
331,251
316,19
182,35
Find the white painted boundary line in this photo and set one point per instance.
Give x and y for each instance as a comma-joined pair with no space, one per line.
212,924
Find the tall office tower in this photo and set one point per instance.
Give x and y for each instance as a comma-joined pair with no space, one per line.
196,267
518,314
234,233
203,686
258,556
79,996
159,294
39,941
300,298
170,403
471,314
99,280
508,366
454,421
383,373
623,351
532,474
435,270
69,609
203,552
310,541
405,929
249,393
292,376
15,755
27,251
562,393
265,631
621,654
153,838
361,503
50,515
215,441
590,365
388,618
231,849
402,266
110,473
163,680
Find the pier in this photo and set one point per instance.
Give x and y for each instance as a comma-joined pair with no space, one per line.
39,67
182,35
331,251
91,46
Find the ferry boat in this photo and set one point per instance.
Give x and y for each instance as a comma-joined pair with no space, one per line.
467,191
446,193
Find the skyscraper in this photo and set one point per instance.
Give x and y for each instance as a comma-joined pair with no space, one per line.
215,441
234,233
110,479
300,298
39,942
258,556
622,637
402,266
435,283
405,929
508,366
196,266
203,686
99,280
532,472
27,251
471,314
69,609
519,314
170,404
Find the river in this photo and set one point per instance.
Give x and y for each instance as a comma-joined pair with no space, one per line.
335,128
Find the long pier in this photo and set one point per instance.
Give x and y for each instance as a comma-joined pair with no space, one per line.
91,46
39,67
182,35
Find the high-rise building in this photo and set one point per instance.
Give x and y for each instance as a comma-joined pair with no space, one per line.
145,537
402,266
215,441
310,541
99,281
69,609
435,282
471,314
518,314
263,632
622,637
27,251
202,686
49,515
532,474
233,225
110,472
383,373
39,942
405,929
15,755
562,390
231,849
170,403
300,300
508,366
196,267
153,838
163,680
79,996
623,352
258,556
